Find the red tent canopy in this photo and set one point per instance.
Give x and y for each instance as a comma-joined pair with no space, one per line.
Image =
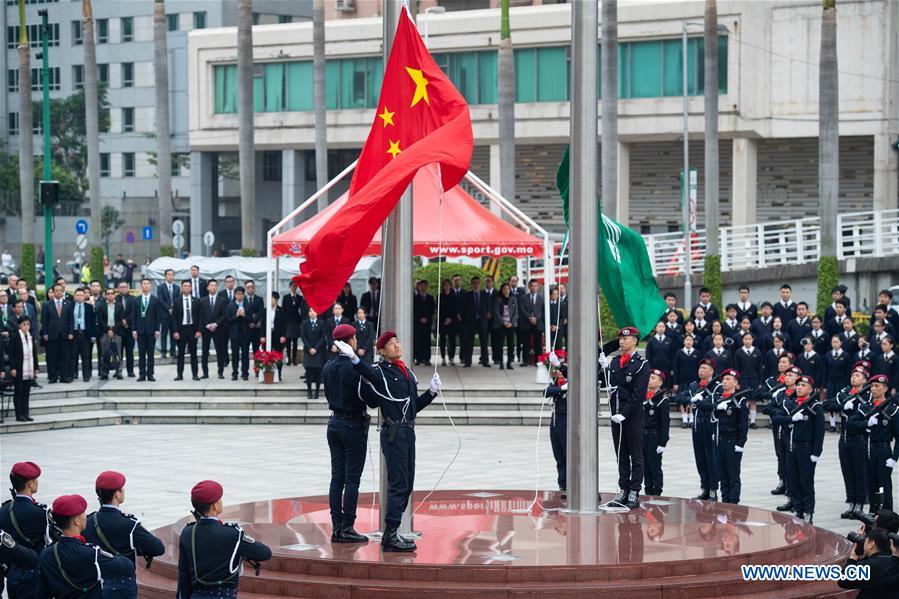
468,228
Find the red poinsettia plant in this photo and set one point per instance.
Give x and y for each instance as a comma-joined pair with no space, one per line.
266,361
544,358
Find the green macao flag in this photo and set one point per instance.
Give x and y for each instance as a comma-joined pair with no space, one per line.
625,273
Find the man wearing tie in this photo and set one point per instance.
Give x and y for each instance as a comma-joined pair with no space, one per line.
530,322
145,316
212,308
371,299
127,302
55,321
474,321
166,293
82,336
185,317
197,285
239,334
423,312
255,308
109,328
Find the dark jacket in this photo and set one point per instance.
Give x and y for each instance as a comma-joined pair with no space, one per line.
165,299
883,582
55,324
33,530
103,324
628,383
365,336
196,317
786,313
121,534
385,383
527,308
685,368
342,387
90,319
371,307
147,324
797,331
498,308
656,419
17,357
127,303
733,421
213,314
812,366
660,354
836,370
423,307
314,336
210,550
762,329
238,325
84,564
749,366
295,310
474,315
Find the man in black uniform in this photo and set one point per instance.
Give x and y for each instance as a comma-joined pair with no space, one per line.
852,446
704,430
125,300
210,551
731,415
212,318
28,522
347,438
656,422
14,554
628,376
882,427
71,568
391,386
120,534
558,426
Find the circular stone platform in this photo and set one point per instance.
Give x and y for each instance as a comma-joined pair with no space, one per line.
490,544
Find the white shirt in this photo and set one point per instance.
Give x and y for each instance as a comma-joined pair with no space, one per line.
187,317
748,350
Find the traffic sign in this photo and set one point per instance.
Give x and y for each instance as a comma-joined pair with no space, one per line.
178,227
178,241
81,226
208,239
147,233
81,242
129,238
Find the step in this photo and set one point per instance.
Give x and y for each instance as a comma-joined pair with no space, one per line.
43,422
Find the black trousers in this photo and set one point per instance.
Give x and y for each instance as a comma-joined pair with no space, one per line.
400,457
21,396
778,451
255,334
187,342
502,336
421,341
448,339
728,462
704,454
801,477
81,349
146,348
468,334
558,438
128,344
214,340
853,458
529,342
57,359
347,442
166,340
878,474
628,440
653,478
240,349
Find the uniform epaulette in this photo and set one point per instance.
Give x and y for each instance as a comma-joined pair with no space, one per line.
6,540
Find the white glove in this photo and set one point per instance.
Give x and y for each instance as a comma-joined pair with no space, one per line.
891,463
738,449
564,387
813,458
660,450
696,398
849,405
603,360
434,387
872,421
618,418
797,416
344,348
721,406
554,359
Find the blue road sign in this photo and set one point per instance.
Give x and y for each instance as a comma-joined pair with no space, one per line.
148,233
81,226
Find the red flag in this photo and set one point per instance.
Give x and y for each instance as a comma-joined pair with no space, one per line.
421,119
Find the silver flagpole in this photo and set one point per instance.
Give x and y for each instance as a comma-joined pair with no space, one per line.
583,456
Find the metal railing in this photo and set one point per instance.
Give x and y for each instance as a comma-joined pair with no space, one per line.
859,234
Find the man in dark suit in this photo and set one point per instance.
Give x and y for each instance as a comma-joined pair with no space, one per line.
255,308
474,322
145,318
166,292
197,285
798,329
705,301
745,307
786,307
530,322
295,309
186,320
212,312
109,315
239,334
423,314
371,299
127,302
518,293
490,293
83,334
55,319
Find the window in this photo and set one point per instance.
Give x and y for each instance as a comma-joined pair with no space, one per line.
127,120
285,19
15,2
199,20
34,35
357,82
473,73
541,74
654,69
299,86
12,80
37,127
271,165
12,123
103,73
172,22
102,31
225,88
127,74
127,29
77,76
37,81
104,164
176,164
77,33
275,91
128,164
256,18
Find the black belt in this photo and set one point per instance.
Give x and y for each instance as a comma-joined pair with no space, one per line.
341,415
880,444
802,445
393,426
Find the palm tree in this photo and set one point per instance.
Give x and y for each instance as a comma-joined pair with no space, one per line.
828,131
710,44
506,76
163,139
247,154
609,147
91,116
26,140
318,91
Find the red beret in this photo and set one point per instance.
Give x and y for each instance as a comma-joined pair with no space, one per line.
807,380
789,355
731,372
658,373
866,364
207,491
860,369
880,378
384,338
793,370
69,505
342,332
27,470
629,332
708,362
110,481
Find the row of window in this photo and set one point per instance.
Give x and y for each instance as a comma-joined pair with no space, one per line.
12,79
646,69
16,2
127,71
34,35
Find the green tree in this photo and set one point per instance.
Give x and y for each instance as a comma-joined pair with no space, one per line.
110,221
69,190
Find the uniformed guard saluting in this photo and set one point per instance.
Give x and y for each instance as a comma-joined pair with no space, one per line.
28,522
119,534
211,553
656,422
393,387
71,567
347,439
731,417
852,445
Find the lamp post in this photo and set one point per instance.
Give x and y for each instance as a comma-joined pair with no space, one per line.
48,206
431,10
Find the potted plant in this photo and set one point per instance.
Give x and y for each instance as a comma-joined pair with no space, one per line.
267,362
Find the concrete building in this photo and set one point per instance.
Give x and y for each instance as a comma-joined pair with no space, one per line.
124,36
768,79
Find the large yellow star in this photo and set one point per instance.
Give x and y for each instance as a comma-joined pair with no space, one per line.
421,86
394,148
387,117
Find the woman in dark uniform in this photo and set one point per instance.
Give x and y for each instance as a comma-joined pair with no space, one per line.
312,332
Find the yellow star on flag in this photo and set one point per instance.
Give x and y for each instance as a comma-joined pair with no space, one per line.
394,148
421,86
387,117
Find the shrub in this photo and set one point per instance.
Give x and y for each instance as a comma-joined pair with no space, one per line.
248,252
27,268
168,251
711,278
828,278
97,264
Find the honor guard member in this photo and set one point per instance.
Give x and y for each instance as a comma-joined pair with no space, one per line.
558,426
805,416
119,534
852,446
731,415
211,553
347,438
72,568
628,378
393,387
881,419
656,422
704,430
776,392
14,554
28,523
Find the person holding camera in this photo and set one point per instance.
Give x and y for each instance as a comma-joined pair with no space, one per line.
883,566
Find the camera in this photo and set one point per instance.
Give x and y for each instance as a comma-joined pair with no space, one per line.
857,538
864,518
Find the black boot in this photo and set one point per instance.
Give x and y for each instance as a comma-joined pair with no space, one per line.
391,541
847,515
349,535
633,500
703,495
317,387
787,507
335,533
780,489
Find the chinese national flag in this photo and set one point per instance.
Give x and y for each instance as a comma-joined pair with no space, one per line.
421,119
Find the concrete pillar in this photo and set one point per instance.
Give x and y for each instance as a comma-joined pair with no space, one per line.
886,172
624,184
745,182
202,183
293,171
494,177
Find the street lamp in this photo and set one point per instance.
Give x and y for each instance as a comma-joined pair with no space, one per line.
431,10
685,178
